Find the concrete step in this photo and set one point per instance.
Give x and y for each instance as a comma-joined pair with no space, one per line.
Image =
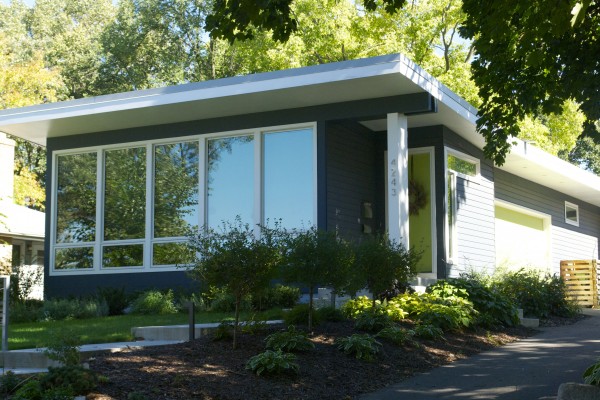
179,332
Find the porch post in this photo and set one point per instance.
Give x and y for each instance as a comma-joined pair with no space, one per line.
397,175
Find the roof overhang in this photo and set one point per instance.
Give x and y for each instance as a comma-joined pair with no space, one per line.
21,222
369,78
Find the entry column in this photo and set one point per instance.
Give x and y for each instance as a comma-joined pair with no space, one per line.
397,174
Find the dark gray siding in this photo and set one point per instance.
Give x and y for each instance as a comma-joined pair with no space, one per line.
568,242
475,213
354,176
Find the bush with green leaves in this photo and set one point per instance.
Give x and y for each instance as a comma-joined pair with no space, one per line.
298,315
67,309
494,308
64,348
273,362
154,302
354,307
75,378
255,326
289,341
330,314
9,381
277,296
361,346
449,313
591,376
30,390
373,320
116,299
224,330
428,331
26,311
539,295
380,262
397,335
237,259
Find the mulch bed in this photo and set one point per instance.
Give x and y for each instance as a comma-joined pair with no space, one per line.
207,369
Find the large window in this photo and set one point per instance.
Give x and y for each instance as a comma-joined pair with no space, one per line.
130,208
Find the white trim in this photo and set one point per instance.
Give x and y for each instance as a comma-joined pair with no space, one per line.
397,181
431,151
576,208
148,241
448,151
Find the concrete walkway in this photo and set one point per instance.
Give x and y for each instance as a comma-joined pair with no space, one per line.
525,370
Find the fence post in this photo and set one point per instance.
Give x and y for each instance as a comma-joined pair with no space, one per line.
192,320
4,316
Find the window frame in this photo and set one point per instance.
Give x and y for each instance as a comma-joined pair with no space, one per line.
148,240
573,207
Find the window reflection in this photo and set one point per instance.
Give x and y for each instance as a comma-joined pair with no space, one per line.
230,180
288,178
125,194
76,198
74,258
123,256
175,189
171,254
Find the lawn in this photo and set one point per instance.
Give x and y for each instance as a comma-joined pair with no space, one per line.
106,329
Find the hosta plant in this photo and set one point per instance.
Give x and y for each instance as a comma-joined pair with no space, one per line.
289,341
363,347
272,362
397,335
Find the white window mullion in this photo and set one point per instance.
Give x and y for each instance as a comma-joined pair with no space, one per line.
258,180
99,210
202,192
147,257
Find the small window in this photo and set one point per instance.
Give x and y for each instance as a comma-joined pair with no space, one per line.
463,165
571,213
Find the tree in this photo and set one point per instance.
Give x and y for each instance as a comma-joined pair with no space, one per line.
530,58
235,258
316,257
380,262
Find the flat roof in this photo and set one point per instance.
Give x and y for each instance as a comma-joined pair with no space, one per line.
375,77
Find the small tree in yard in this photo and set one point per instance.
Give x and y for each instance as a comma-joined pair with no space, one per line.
379,262
235,258
315,257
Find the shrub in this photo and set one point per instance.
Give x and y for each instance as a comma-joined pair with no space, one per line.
154,302
66,309
255,326
495,309
31,390
277,296
299,316
75,378
289,341
115,298
64,348
373,320
331,314
427,331
354,307
224,330
273,362
450,313
591,376
363,347
9,381
397,335
26,311
537,294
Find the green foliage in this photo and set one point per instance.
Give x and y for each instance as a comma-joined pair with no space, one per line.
255,326
64,348
116,299
373,320
223,301
316,257
76,379
380,262
362,346
25,311
31,390
428,331
154,302
392,309
289,341
397,335
494,308
225,329
521,69
539,295
331,314
65,309
235,258
354,307
272,363
299,316
9,381
449,313
591,376
277,296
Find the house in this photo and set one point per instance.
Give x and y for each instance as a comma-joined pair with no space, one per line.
343,145
21,228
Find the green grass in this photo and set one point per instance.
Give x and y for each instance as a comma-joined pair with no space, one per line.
107,329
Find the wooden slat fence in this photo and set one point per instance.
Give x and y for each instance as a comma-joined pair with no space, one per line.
581,278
